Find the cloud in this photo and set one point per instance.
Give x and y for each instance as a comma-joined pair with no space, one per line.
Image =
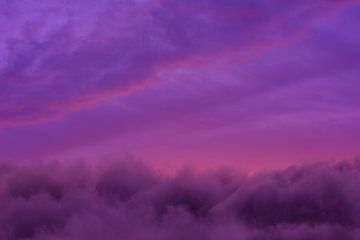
59,57
129,200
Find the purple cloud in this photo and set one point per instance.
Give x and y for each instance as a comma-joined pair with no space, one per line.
129,200
59,57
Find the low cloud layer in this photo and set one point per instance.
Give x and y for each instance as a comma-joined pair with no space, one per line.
128,200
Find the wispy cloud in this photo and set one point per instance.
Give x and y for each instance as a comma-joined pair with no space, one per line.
62,56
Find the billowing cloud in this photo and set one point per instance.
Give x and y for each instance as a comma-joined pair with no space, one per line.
62,56
128,200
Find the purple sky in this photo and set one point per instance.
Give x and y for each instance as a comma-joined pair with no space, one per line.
251,84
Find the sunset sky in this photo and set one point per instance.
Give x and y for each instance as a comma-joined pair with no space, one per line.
179,119
249,84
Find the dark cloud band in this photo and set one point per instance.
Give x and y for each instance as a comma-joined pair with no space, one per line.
128,200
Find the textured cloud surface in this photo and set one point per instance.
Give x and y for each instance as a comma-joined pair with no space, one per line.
127,200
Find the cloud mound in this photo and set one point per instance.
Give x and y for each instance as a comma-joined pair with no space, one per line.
129,200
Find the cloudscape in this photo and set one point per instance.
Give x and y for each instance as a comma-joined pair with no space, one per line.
128,200
179,119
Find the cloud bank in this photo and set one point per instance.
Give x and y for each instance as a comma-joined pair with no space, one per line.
128,200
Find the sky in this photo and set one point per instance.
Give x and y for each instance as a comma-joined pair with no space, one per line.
252,84
179,119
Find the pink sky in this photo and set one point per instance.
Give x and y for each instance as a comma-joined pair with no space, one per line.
250,84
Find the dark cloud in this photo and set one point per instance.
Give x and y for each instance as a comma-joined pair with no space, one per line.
128,200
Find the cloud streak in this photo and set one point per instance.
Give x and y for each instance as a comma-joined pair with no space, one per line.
112,200
62,56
